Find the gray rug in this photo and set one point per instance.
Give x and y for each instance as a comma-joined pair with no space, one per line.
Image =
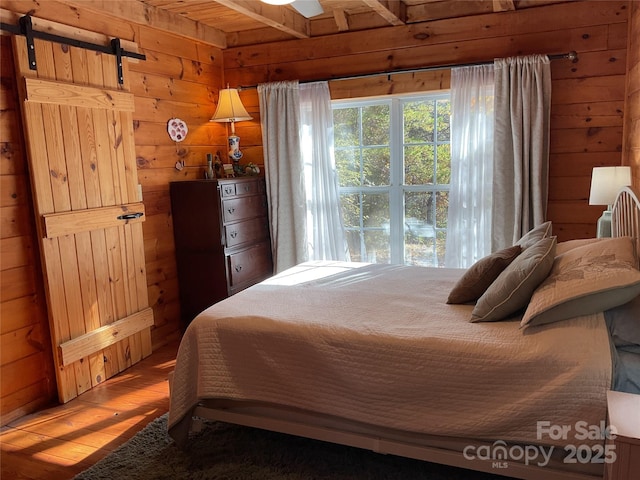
228,452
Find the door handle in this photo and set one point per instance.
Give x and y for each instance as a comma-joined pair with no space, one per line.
130,216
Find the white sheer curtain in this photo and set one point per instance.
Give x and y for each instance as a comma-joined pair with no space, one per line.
325,230
470,197
280,121
521,154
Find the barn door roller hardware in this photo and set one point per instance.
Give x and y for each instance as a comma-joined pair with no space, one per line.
25,27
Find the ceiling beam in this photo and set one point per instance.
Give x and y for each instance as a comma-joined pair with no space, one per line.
139,12
390,10
340,17
503,5
281,18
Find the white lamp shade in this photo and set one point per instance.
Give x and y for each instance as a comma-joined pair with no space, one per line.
230,108
606,183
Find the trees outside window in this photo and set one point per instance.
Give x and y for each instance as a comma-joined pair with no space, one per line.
393,159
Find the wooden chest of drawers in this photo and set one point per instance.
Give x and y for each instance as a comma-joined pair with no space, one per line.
222,243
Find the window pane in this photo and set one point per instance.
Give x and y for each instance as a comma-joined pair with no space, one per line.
420,251
377,246
354,242
376,124
441,241
419,165
418,214
375,209
442,208
444,120
376,166
348,167
418,121
444,164
350,209
346,127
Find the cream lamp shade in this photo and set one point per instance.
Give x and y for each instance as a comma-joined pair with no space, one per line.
231,110
606,182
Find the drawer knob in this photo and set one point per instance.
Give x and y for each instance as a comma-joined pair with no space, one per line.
233,234
238,268
231,209
228,190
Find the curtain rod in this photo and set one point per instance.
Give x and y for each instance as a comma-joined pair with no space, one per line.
573,56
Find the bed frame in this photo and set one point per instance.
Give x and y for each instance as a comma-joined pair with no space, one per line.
625,216
625,222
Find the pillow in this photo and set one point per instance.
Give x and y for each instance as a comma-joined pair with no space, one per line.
533,236
512,289
586,280
481,274
624,323
564,247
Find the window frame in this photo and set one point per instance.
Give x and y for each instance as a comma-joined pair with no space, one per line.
396,188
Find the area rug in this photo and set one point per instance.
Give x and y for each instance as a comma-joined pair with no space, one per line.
229,452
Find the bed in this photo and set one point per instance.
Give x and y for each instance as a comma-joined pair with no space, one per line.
385,357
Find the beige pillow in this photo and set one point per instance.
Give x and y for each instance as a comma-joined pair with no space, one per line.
511,291
564,247
532,236
481,275
585,280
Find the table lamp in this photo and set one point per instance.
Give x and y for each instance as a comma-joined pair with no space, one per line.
231,110
605,185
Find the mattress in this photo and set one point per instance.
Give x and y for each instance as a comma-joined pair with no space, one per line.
377,344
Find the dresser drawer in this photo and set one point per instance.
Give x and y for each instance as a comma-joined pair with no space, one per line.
236,209
249,231
238,188
249,188
250,264
228,190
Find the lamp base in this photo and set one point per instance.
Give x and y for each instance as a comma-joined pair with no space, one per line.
604,225
234,148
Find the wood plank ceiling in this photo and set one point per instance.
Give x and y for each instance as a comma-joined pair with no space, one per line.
228,23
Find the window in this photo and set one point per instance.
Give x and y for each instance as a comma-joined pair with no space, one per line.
393,162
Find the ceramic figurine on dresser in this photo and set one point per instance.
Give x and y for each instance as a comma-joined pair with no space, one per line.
209,173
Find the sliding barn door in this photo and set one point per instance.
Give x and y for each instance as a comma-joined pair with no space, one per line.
79,131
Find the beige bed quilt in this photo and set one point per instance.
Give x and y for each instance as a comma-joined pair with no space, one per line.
378,344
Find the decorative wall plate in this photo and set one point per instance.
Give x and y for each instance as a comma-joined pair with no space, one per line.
177,129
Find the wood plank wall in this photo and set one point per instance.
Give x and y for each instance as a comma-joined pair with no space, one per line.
26,365
588,96
631,152
180,78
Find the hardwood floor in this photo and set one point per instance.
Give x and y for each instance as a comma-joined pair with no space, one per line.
60,442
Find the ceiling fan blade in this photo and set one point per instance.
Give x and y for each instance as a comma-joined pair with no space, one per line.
308,8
